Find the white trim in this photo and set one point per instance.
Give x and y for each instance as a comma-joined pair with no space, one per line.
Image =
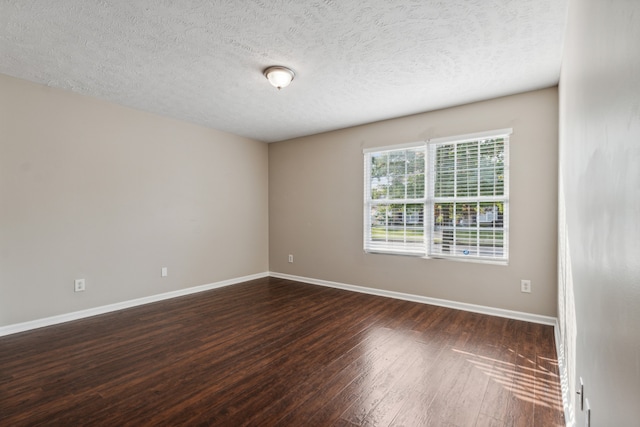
472,136
564,376
54,320
405,146
491,311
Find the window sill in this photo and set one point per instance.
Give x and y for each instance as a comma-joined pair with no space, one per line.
440,257
470,260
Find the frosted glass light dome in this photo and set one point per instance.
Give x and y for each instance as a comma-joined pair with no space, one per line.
279,77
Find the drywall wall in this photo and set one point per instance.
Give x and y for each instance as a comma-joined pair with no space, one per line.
599,292
94,190
316,207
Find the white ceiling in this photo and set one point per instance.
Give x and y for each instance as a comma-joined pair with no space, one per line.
356,61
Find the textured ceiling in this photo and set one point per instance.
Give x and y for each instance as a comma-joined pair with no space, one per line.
356,61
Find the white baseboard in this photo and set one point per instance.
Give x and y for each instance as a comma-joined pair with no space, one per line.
67,317
54,320
564,377
492,311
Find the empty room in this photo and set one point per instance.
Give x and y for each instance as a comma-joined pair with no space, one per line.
320,213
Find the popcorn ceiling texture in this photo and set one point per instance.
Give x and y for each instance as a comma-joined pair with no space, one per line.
356,62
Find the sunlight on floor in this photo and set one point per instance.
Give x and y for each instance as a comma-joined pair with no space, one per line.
526,379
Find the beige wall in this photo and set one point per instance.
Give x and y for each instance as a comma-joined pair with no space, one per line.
599,286
94,190
316,207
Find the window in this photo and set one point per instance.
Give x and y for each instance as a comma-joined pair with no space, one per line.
395,200
447,198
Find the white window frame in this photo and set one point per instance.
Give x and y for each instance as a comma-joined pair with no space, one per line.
427,248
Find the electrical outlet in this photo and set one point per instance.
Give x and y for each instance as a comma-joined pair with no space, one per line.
290,258
79,285
525,286
164,272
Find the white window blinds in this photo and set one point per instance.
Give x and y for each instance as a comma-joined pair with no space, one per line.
469,198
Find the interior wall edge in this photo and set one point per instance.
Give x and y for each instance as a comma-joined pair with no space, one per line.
564,376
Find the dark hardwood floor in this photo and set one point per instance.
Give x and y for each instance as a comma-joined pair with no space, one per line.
275,352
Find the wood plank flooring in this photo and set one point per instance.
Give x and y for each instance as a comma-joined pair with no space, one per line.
273,352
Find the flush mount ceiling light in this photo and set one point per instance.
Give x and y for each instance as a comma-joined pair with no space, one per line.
279,77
